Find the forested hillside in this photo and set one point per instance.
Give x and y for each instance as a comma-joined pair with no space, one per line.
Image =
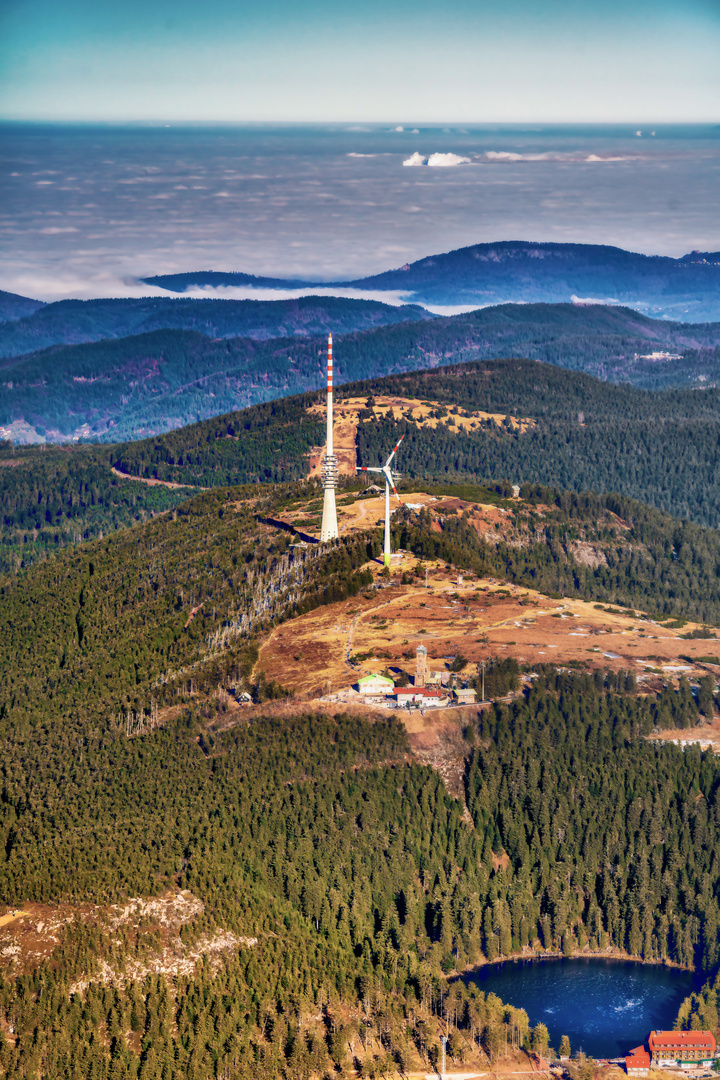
353,878
13,306
526,271
52,498
72,322
338,879
660,448
134,618
156,381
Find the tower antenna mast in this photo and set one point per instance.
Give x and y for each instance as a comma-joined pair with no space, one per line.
329,528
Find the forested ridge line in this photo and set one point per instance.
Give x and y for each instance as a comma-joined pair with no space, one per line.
153,381
73,322
118,623
660,448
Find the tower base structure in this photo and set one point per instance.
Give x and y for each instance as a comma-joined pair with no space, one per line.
329,527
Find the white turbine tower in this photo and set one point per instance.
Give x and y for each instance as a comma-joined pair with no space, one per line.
390,478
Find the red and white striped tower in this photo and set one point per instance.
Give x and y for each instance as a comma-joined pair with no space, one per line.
329,529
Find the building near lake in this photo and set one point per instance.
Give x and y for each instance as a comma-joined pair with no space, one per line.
672,1050
637,1061
682,1047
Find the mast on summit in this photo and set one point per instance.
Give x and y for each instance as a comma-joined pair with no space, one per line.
329,529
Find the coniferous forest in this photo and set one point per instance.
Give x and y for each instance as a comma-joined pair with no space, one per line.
661,448
337,888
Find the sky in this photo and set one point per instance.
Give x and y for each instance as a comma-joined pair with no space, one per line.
404,60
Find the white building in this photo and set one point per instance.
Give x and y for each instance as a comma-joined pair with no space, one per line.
375,684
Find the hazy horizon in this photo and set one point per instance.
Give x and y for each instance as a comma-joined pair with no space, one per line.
86,210
471,62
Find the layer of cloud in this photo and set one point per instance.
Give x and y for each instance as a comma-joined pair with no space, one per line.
102,286
571,157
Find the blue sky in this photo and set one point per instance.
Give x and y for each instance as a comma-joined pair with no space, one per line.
377,60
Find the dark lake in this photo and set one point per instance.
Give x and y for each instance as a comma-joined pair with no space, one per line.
605,1007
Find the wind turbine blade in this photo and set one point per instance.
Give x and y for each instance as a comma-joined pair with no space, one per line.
394,451
366,468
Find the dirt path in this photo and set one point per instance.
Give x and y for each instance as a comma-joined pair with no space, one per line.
153,483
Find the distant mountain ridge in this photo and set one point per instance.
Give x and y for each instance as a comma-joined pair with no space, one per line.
154,382
519,271
13,306
77,322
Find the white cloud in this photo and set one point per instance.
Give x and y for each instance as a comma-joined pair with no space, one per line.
571,158
502,155
394,297
448,159
415,159
593,300
79,286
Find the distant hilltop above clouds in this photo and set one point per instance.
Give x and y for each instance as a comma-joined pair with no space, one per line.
519,271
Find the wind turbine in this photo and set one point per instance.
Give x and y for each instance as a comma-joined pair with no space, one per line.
390,478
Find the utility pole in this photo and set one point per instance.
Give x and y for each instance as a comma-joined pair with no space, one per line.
482,665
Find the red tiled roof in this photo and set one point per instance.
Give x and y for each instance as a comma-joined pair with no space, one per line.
672,1040
638,1059
418,691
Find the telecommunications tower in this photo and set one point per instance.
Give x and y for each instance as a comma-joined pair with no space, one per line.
329,529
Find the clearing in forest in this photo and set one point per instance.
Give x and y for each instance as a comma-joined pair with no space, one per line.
421,413
327,650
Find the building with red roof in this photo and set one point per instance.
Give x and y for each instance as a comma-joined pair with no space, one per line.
414,693
673,1049
682,1047
637,1061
